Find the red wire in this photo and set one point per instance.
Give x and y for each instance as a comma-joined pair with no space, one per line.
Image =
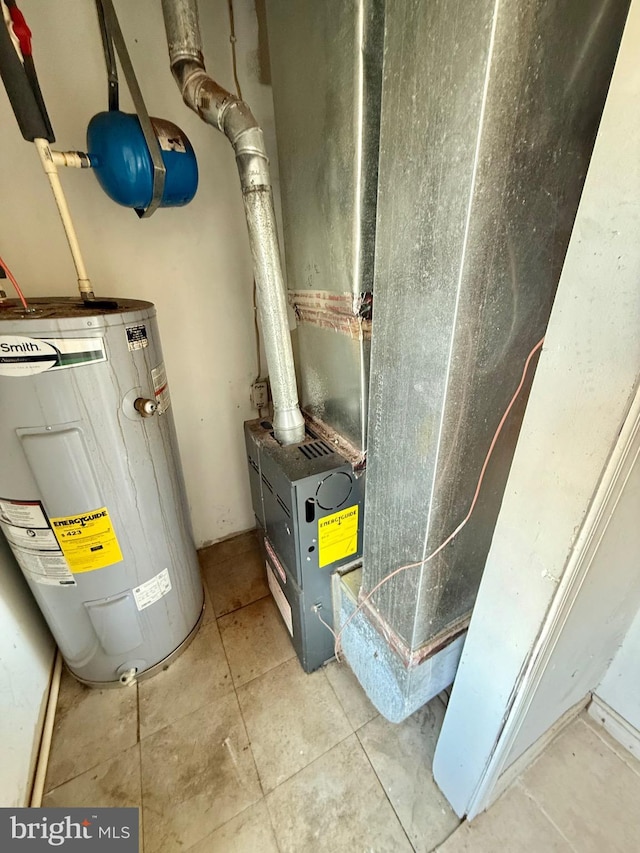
15,284
464,520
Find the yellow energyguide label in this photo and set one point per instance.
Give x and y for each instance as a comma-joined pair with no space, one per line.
88,541
338,536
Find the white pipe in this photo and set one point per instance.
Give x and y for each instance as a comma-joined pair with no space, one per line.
47,733
51,171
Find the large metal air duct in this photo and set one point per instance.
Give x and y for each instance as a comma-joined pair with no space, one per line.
487,126
232,116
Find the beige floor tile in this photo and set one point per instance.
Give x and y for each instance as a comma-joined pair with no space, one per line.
354,700
514,824
197,677
113,783
91,726
238,581
249,832
292,718
255,640
197,774
228,548
336,804
589,793
402,756
629,759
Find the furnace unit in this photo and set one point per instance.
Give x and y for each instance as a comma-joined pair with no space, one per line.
308,500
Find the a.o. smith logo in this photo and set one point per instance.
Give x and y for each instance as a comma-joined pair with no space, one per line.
22,347
33,830
22,356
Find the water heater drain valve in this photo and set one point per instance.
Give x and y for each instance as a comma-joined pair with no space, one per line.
129,677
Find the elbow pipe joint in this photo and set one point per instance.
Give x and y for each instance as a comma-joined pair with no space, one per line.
232,116
213,104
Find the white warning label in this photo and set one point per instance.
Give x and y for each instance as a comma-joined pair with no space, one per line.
41,539
152,590
42,567
22,513
161,388
280,599
33,542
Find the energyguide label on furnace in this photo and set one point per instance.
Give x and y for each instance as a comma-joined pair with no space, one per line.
337,536
88,541
33,542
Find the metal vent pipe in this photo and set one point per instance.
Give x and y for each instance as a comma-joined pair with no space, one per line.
233,117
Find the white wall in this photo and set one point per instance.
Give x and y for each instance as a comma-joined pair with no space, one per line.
596,625
26,655
194,263
581,393
620,687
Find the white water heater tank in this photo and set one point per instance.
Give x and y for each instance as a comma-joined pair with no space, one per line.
92,499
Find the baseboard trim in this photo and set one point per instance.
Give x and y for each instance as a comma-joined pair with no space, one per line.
44,743
626,734
535,750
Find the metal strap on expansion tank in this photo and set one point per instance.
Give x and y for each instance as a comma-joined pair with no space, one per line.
112,37
110,60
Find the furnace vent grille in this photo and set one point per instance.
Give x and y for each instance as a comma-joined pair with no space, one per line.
315,449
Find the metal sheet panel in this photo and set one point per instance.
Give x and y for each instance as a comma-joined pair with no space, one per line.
326,64
334,380
488,122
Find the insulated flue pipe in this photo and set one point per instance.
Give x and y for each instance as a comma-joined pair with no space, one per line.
233,117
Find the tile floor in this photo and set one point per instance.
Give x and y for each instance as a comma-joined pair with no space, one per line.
582,795
233,749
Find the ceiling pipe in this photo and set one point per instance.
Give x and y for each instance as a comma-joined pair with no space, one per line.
232,116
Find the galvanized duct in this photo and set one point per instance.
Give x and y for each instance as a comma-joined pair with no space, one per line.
326,67
487,127
233,117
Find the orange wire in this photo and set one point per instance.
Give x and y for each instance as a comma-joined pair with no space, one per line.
15,284
457,530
